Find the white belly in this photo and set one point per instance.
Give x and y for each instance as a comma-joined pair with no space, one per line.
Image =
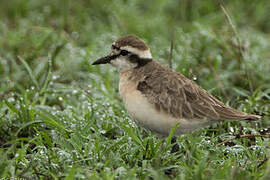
147,116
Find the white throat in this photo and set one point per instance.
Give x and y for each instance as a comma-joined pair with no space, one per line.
122,64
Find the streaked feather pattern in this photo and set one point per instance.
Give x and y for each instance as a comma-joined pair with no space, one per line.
179,96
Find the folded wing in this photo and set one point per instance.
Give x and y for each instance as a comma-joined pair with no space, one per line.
173,93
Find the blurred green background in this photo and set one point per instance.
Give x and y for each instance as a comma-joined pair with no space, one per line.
60,117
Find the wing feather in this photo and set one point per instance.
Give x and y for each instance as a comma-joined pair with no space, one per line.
173,93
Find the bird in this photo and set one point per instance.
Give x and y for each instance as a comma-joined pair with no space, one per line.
157,97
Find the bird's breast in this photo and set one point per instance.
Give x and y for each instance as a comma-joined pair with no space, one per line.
141,110
146,115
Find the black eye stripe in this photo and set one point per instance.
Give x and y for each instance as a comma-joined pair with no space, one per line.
133,58
124,52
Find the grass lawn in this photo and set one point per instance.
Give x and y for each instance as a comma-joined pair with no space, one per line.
61,118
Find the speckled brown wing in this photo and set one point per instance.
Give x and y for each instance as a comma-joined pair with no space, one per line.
173,93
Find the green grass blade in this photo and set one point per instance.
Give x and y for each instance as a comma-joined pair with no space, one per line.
71,173
169,138
30,72
48,120
26,125
12,108
132,134
49,75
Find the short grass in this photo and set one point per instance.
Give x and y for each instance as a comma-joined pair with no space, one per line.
61,118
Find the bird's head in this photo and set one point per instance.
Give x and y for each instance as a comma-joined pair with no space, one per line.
127,52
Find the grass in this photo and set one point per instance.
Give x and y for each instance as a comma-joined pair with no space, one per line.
61,118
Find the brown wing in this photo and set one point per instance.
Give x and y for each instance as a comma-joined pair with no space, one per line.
175,94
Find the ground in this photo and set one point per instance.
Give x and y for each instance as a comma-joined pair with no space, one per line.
61,118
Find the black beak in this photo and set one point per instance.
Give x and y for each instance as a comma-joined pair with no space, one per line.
105,59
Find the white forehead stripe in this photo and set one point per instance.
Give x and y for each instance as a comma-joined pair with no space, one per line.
140,53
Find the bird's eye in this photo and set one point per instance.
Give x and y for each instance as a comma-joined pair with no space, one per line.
124,52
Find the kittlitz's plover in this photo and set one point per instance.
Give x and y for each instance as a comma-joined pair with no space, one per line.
157,97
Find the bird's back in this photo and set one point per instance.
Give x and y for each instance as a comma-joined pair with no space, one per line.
173,93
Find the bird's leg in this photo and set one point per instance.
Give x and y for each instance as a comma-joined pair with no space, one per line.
175,147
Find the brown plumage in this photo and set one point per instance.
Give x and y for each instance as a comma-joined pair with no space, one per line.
175,94
157,97
131,41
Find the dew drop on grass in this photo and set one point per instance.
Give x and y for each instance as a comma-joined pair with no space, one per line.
75,91
56,166
18,106
102,131
53,133
11,99
231,129
75,152
42,152
21,163
54,77
235,149
255,147
68,107
83,96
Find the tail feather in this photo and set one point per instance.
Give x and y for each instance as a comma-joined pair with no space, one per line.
229,113
252,117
